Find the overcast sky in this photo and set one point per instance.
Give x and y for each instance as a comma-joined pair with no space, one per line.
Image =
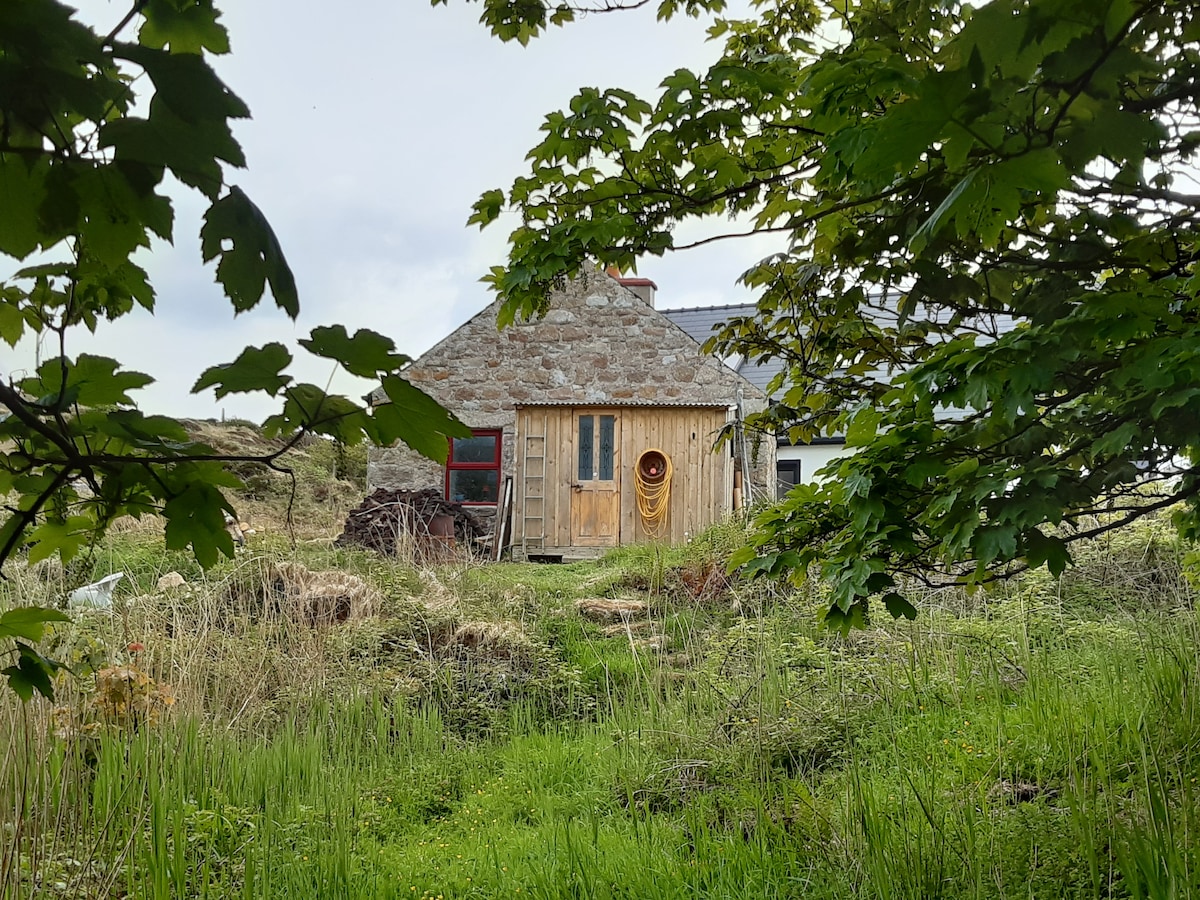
376,124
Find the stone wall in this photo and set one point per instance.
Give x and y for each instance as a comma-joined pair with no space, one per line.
599,344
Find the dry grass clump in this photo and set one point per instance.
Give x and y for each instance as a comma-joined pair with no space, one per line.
435,593
491,640
292,591
322,598
603,610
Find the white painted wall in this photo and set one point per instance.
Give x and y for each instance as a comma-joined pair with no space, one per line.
812,457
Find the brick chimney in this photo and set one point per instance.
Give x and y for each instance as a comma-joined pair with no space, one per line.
643,287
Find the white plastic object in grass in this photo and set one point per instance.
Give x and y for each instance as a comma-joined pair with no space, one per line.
98,595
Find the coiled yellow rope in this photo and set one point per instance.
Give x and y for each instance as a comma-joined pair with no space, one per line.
653,497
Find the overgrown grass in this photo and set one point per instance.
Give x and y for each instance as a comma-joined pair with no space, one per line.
477,737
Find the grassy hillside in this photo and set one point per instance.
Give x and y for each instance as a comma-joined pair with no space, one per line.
310,722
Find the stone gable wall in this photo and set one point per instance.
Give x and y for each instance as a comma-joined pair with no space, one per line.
598,344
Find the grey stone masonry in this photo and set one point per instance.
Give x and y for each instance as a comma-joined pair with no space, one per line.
598,344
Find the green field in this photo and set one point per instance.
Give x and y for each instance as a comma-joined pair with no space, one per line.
469,733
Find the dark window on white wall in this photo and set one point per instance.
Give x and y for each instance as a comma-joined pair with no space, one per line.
787,475
473,468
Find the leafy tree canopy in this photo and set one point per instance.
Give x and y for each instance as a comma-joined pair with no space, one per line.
82,190
937,169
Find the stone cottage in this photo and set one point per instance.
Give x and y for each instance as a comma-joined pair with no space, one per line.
567,412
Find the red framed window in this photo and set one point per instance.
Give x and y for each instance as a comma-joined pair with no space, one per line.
473,468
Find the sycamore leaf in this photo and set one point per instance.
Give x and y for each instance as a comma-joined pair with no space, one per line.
929,228
843,620
98,382
255,369
1044,549
12,323
32,672
22,189
185,28
29,622
899,607
237,231
487,208
417,419
196,518
64,537
366,354
88,381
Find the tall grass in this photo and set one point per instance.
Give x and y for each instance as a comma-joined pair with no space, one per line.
1036,743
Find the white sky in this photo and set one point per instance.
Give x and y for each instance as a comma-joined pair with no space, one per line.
376,124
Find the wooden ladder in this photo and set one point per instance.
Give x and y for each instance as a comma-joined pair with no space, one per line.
533,493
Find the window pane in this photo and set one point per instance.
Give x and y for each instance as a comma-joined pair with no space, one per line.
478,449
787,474
474,485
587,425
606,448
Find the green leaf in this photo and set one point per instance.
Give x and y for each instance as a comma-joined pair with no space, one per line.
196,518
898,607
367,354
863,426
236,231
930,227
32,672
187,27
1044,549
22,190
255,369
487,208
994,542
29,622
97,381
414,417
12,323
64,537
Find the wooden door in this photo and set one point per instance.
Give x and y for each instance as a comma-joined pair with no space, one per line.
596,489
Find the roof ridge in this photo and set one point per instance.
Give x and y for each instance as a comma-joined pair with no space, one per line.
700,308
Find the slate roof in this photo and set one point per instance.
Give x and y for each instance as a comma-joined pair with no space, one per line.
702,322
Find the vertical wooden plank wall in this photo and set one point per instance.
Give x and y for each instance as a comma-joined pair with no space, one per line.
559,469
701,490
702,486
